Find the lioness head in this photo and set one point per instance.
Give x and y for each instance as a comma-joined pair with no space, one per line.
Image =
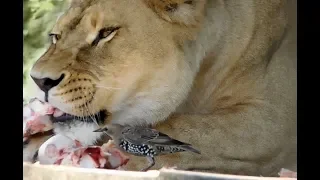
123,56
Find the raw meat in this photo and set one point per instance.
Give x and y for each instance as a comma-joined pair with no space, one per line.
36,117
61,150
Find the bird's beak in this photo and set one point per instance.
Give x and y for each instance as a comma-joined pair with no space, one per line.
100,130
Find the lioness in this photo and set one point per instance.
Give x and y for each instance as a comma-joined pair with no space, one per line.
218,74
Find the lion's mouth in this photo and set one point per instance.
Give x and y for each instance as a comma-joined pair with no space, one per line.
60,116
36,108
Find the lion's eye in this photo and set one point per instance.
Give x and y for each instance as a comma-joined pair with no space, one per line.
54,37
106,34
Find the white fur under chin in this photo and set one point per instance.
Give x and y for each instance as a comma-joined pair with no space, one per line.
80,131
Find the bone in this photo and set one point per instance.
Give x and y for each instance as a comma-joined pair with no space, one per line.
61,150
36,118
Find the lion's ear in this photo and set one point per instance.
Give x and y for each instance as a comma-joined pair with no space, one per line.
184,12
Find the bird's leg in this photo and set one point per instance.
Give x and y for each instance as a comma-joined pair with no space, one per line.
150,164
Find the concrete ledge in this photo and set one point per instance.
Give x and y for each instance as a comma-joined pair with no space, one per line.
50,172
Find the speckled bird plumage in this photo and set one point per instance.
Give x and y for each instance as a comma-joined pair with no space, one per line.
143,141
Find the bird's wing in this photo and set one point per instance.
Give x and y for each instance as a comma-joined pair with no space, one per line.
139,135
163,139
150,136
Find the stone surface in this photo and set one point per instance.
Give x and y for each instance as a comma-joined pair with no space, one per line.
50,172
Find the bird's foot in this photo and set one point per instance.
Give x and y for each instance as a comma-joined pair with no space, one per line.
150,164
145,169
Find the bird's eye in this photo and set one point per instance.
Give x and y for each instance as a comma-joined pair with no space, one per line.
54,37
105,34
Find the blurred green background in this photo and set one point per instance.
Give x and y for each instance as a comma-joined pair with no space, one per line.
39,17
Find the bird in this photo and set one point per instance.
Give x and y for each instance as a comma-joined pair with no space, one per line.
144,141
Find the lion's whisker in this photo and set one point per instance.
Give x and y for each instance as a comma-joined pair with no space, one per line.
92,108
91,104
89,112
91,115
87,109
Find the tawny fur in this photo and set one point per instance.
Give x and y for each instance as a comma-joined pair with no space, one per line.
218,74
30,149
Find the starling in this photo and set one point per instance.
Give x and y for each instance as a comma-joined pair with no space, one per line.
143,141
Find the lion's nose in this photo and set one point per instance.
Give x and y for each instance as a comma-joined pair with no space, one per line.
45,84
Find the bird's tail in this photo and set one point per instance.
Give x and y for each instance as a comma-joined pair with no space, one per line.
190,148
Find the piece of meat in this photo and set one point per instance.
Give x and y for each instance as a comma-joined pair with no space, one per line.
61,150
87,157
42,108
36,117
55,149
117,158
106,157
37,124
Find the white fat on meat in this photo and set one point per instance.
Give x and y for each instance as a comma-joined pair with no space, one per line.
49,152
